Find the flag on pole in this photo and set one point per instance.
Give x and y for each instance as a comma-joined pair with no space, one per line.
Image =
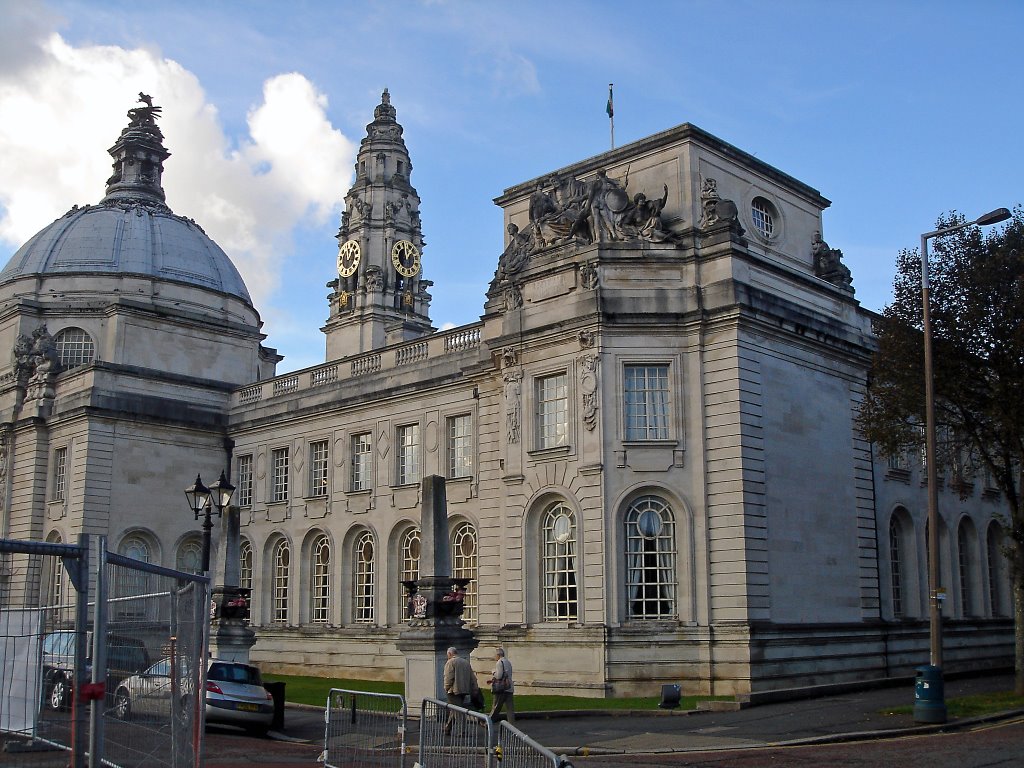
610,108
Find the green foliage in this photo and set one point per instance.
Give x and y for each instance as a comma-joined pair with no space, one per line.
977,321
977,705
313,690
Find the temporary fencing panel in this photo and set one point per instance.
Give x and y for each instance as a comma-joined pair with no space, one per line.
367,730
454,737
78,627
517,750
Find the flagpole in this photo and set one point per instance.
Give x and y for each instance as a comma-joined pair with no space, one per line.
611,114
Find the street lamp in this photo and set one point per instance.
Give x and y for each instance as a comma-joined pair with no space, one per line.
933,708
203,500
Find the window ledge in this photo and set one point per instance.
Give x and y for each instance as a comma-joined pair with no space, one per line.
543,453
661,443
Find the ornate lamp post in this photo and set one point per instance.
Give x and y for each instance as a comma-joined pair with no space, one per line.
203,500
931,707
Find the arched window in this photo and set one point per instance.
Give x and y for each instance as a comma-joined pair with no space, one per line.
464,566
282,574
320,581
245,565
558,527
896,565
128,582
997,580
74,348
650,559
363,578
55,584
190,556
966,561
409,546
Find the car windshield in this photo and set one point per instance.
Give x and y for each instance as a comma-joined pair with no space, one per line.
234,673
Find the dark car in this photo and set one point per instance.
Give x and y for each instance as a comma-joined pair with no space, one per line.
125,657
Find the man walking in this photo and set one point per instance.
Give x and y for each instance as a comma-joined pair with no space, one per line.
501,686
459,682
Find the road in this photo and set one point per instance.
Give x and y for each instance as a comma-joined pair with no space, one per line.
992,746
986,746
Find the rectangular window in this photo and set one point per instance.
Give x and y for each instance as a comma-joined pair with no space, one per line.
279,478
460,446
552,411
646,402
362,461
408,439
318,468
60,473
245,480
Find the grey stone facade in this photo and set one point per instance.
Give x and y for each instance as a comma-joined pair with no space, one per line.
649,440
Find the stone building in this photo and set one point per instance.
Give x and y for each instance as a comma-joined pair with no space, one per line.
652,466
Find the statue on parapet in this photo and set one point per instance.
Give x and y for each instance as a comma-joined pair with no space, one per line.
828,263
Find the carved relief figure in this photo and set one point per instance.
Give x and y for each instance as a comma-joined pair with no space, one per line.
588,276
588,389
513,298
512,405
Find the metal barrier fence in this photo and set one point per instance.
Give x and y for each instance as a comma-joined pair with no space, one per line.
365,730
78,628
372,730
454,737
517,750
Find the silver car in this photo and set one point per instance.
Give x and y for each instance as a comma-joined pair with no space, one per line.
234,695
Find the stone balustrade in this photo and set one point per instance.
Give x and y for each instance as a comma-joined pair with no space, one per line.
438,345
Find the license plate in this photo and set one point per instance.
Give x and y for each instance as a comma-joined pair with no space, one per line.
247,707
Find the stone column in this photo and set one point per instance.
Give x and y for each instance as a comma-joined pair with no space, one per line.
435,605
231,638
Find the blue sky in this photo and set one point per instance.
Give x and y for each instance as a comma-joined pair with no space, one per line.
895,111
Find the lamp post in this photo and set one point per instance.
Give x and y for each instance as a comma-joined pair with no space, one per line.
933,708
203,500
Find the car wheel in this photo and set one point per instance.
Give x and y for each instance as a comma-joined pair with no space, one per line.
58,694
122,705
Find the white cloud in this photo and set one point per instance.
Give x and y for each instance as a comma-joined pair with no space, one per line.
64,106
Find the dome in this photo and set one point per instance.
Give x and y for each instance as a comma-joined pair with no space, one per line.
127,237
131,231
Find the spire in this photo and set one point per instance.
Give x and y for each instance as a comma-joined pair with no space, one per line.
139,156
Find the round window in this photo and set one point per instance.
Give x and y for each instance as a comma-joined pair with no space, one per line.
765,216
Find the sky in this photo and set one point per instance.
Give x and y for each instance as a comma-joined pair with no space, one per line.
897,111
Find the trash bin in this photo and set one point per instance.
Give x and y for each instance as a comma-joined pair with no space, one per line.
276,691
929,695
669,697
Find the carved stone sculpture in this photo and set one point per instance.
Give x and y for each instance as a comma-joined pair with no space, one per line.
828,263
716,210
44,363
588,276
512,405
588,389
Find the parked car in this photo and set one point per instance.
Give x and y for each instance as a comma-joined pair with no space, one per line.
234,695
125,656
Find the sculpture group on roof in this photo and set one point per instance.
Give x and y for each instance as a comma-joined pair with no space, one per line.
566,209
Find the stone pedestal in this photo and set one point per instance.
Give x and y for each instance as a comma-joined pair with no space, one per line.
231,640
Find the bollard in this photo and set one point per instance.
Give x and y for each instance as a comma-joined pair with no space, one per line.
276,691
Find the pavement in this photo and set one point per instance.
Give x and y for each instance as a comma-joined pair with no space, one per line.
811,716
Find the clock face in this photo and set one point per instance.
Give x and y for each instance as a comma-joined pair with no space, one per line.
406,258
348,258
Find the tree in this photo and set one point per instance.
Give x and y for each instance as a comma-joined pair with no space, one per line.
977,319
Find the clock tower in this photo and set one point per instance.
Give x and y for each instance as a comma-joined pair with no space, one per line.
379,296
